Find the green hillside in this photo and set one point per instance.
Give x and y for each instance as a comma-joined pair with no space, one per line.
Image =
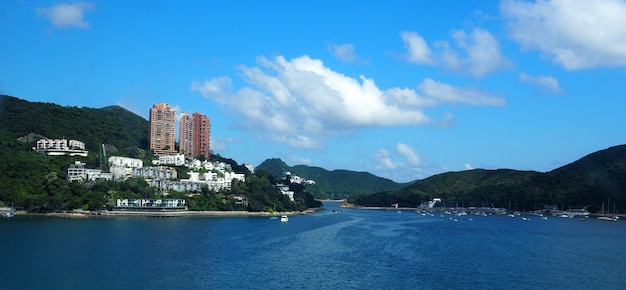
588,181
36,182
114,126
335,184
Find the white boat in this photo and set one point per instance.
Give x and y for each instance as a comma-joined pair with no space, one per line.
607,216
10,212
284,219
577,212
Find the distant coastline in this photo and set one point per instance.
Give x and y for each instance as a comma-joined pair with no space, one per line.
84,214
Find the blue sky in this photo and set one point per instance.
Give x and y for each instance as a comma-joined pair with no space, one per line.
401,89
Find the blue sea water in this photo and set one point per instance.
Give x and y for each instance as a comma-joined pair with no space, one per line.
352,249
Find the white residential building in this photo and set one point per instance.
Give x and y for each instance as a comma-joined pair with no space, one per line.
150,203
250,167
198,180
78,172
122,167
58,147
154,173
171,159
119,161
284,189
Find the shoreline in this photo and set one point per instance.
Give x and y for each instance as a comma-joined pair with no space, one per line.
352,206
86,214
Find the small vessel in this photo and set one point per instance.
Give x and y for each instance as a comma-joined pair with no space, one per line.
284,219
577,212
8,214
608,216
274,218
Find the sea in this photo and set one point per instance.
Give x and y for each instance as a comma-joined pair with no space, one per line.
335,248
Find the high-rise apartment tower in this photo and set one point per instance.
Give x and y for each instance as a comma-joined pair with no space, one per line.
162,120
185,140
201,135
195,135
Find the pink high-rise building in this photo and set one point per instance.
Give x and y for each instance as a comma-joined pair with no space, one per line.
185,140
195,135
162,120
201,135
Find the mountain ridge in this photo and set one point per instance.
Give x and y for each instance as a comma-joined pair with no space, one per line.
588,181
331,184
124,129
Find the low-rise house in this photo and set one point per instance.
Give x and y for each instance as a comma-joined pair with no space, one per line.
151,204
122,167
241,199
58,147
170,159
284,189
154,173
78,173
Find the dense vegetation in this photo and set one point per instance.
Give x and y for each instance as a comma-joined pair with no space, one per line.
115,126
589,181
336,184
37,182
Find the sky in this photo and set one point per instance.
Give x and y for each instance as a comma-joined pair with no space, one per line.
402,89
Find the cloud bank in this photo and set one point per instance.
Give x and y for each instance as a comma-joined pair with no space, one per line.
574,34
300,102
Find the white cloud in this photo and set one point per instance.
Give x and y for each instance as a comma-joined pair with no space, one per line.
67,15
418,51
401,164
384,160
220,144
344,52
408,153
547,82
445,93
299,160
300,101
477,53
468,166
574,34
218,87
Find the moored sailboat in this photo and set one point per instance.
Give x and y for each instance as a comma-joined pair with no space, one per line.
608,217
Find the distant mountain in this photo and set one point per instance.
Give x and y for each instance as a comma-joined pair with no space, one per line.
111,125
336,184
590,180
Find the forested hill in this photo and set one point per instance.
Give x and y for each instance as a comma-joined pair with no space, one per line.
112,125
37,182
590,180
335,184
